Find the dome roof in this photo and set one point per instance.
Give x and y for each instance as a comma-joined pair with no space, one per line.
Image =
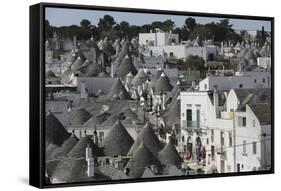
118,141
163,84
79,116
66,147
141,158
148,138
140,78
55,132
125,67
79,150
169,155
117,91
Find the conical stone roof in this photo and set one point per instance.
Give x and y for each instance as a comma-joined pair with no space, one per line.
118,141
173,115
79,150
66,147
55,132
79,116
175,91
250,55
140,78
169,155
125,67
66,76
141,158
116,90
242,53
49,150
148,138
129,113
163,84
50,74
155,78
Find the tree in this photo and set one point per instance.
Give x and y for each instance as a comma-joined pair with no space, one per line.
190,23
124,27
107,22
48,29
168,25
84,23
193,63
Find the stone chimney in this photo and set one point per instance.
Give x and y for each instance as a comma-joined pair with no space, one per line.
83,92
96,139
216,101
112,70
90,162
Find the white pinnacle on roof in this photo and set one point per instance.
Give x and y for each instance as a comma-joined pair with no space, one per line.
130,74
163,74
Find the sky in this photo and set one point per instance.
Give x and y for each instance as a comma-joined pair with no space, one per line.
65,17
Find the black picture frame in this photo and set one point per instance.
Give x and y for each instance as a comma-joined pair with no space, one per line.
37,91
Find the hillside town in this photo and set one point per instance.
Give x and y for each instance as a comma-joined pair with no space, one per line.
155,105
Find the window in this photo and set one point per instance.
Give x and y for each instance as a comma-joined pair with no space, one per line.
254,123
198,115
263,80
230,139
182,138
255,81
101,136
222,138
254,148
212,135
188,115
205,86
207,141
242,121
240,85
244,146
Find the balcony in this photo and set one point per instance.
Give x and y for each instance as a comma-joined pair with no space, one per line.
190,125
222,153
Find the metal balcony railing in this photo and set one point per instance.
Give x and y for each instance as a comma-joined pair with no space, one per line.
191,124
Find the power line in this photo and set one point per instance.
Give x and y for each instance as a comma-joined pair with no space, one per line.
222,148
